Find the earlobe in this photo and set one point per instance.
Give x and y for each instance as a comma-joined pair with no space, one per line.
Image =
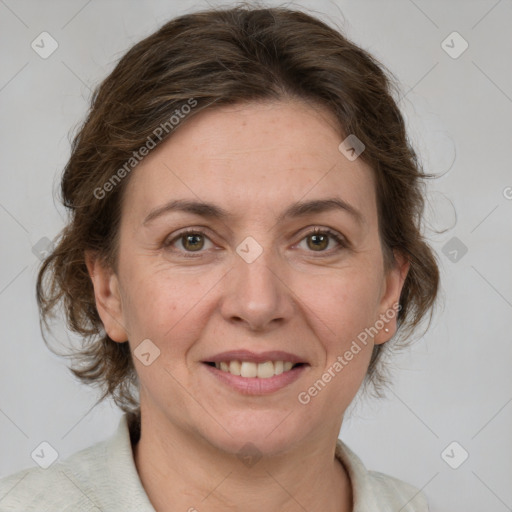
389,305
107,296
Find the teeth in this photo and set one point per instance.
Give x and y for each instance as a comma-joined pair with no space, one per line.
249,369
266,370
261,370
234,367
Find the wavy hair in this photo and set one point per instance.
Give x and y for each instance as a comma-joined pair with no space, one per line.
219,57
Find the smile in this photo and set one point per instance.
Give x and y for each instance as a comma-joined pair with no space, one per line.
249,369
249,382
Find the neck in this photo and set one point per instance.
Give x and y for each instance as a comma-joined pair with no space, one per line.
181,471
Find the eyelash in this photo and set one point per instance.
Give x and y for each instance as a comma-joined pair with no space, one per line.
342,243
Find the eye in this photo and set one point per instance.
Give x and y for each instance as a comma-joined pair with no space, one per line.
318,240
191,241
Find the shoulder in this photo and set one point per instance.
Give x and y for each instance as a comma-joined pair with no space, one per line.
62,486
374,491
100,477
397,491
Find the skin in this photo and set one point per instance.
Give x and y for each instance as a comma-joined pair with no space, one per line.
253,160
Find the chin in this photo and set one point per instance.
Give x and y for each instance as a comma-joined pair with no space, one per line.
267,432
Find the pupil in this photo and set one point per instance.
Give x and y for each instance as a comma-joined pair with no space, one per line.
192,239
319,238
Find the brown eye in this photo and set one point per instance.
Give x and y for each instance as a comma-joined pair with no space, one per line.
192,242
318,242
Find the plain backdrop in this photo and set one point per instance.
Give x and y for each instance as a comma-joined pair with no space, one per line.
453,385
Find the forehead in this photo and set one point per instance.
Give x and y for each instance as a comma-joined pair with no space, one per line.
253,159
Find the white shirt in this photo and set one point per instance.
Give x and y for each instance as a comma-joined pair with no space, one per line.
103,477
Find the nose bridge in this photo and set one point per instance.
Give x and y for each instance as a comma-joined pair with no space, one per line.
257,294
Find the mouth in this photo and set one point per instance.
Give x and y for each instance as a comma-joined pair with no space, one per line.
251,373
249,369
249,378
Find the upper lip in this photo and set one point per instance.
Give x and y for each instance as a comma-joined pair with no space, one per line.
247,355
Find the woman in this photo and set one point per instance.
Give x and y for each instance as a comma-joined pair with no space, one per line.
243,244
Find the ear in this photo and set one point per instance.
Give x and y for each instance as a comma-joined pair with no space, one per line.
388,306
108,298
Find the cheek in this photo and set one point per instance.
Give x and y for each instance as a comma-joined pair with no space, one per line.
340,311
343,302
166,306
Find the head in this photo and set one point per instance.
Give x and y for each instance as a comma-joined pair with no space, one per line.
246,110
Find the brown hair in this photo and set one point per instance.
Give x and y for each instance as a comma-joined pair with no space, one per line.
218,57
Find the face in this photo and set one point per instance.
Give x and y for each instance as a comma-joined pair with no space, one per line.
285,264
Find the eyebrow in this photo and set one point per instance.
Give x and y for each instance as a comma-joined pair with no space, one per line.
212,211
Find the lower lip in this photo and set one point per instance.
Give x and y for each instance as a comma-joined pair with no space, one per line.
255,385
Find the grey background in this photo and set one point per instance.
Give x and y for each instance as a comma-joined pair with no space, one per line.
455,384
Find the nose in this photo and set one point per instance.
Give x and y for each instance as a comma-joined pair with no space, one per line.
257,294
